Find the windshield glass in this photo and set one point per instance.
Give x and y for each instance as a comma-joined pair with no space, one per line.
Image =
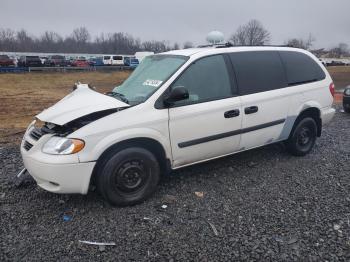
152,72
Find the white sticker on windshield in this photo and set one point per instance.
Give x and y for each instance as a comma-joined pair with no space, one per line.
150,82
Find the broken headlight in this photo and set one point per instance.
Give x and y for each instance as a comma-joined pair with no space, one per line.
63,146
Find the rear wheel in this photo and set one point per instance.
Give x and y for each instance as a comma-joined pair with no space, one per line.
128,176
303,137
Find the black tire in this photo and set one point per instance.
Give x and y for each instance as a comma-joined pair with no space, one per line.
128,176
303,137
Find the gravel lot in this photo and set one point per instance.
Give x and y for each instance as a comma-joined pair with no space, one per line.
259,205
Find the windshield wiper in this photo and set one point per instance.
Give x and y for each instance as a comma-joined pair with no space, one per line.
118,96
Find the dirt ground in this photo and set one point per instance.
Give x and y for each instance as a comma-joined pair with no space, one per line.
22,96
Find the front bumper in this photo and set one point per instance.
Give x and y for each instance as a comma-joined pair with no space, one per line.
55,173
327,114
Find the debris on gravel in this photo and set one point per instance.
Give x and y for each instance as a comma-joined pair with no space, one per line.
259,205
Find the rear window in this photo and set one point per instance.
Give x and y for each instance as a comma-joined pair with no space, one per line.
301,68
4,57
33,57
117,57
106,57
258,71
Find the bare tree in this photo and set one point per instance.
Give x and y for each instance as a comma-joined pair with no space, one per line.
176,46
301,43
188,44
81,35
252,33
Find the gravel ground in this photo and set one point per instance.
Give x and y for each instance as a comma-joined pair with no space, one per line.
258,205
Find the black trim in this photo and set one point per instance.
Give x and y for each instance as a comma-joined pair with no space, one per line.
228,134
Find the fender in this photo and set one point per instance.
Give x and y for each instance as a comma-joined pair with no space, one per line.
99,146
290,120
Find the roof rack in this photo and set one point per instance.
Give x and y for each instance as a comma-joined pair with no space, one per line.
229,44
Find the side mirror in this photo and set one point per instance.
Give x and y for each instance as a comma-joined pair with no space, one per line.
177,94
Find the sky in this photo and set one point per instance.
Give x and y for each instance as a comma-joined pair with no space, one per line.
183,20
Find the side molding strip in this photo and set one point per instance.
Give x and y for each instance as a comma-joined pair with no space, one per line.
228,134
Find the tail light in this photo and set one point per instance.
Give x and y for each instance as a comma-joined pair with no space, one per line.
332,89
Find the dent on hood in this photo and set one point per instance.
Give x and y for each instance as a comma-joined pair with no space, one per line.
76,110
83,101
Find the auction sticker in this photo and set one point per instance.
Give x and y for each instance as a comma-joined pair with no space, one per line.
150,82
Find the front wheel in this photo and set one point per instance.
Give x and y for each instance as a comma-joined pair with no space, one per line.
303,137
128,176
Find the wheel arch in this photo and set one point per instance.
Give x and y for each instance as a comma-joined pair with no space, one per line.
150,144
313,112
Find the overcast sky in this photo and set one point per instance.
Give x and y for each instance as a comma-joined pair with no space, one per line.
183,20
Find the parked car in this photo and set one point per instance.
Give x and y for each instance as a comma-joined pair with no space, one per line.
56,60
346,99
96,61
43,59
117,60
28,61
107,60
5,61
80,62
131,62
177,109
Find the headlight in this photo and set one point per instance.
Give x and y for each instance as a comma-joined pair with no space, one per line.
347,91
63,146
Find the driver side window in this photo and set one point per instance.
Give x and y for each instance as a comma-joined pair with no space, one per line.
206,79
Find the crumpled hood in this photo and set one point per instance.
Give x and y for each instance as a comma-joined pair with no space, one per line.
82,101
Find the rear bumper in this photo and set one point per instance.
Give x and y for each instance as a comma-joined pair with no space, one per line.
327,114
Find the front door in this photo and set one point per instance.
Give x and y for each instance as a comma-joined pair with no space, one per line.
206,125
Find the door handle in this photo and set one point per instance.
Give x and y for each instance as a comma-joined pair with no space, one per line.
231,113
251,110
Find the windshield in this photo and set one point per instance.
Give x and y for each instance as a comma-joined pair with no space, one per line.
152,72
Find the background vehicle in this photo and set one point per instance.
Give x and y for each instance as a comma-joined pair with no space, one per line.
5,60
107,60
28,61
80,62
131,62
96,61
43,59
141,55
346,99
117,60
56,60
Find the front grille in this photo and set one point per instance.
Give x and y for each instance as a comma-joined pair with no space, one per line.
36,133
27,146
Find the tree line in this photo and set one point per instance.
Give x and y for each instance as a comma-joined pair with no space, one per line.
81,41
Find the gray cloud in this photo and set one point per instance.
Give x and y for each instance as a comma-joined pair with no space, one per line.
183,20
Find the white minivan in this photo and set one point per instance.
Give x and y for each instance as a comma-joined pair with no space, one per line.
177,109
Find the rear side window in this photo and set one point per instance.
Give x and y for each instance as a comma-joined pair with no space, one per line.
301,68
206,79
258,71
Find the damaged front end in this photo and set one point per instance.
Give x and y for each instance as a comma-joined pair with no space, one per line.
43,128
